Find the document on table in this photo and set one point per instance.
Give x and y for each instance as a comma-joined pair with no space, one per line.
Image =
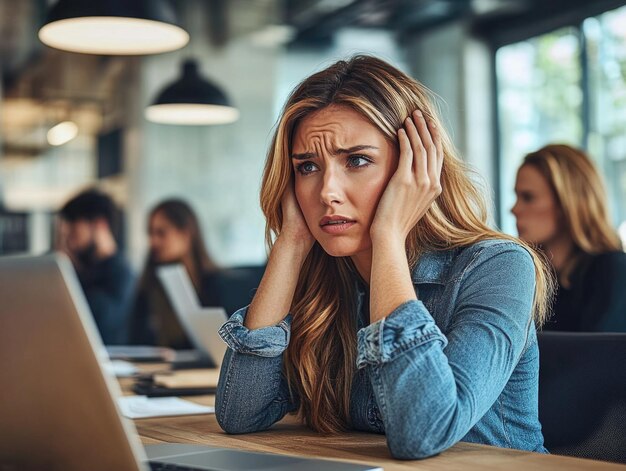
139,407
140,353
120,368
197,378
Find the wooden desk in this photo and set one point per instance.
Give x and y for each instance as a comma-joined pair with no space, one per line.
288,437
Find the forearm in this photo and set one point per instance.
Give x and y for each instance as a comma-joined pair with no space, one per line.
424,413
250,393
433,388
425,406
390,282
274,296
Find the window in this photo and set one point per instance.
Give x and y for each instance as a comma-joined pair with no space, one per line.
566,86
606,52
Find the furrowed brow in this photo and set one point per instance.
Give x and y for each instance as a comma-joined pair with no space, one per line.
350,150
304,156
354,149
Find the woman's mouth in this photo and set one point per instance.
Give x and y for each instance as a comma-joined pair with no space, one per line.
336,224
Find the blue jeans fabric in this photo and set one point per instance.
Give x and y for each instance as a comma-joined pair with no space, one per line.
461,363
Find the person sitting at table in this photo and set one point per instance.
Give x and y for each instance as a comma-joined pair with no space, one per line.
388,305
86,234
175,237
561,207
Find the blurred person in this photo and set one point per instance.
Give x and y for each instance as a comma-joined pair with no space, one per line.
174,237
86,236
561,207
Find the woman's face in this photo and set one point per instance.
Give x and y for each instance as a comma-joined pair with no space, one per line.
342,165
167,242
536,209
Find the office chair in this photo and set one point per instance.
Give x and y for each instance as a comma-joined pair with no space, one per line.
582,394
236,286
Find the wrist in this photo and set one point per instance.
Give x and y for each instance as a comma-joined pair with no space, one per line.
388,239
295,249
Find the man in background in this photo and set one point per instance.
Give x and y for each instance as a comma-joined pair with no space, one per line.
86,236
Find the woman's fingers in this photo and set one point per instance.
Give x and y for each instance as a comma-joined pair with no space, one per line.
428,145
420,159
437,158
405,161
436,137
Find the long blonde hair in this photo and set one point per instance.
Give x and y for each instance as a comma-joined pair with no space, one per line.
578,190
320,359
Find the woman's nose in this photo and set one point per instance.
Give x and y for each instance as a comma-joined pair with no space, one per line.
332,191
515,208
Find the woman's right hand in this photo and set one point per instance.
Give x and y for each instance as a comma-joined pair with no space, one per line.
273,299
294,229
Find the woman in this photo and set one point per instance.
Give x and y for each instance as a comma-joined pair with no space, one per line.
561,207
175,237
407,315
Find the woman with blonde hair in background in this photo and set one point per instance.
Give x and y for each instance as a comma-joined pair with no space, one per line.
561,207
388,305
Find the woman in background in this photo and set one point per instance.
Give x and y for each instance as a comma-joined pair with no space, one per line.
175,237
561,207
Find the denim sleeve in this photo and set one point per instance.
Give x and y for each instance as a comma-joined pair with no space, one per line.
252,393
266,342
432,389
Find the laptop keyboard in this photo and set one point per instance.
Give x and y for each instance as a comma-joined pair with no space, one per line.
155,466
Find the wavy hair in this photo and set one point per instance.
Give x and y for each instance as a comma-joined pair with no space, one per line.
319,362
579,193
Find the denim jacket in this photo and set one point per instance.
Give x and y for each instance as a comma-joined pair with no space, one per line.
459,363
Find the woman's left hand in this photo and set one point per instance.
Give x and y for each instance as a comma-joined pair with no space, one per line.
415,184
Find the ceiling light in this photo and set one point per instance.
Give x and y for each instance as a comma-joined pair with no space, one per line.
192,100
113,27
62,133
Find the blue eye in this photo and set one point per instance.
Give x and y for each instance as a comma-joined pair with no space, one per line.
306,167
358,161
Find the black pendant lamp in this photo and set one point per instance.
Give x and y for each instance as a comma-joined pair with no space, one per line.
193,100
113,27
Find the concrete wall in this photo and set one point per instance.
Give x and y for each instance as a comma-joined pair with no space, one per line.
215,168
457,67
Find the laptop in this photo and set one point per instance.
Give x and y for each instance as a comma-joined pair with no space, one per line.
199,323
58,409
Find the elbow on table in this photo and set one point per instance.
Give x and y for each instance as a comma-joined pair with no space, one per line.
415,448
234,423
233,426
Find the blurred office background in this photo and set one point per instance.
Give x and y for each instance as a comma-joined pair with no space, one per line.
512,76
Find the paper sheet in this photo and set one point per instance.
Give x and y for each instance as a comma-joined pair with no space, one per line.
120,368
201,378
139,407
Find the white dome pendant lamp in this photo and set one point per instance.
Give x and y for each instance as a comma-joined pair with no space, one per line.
113,27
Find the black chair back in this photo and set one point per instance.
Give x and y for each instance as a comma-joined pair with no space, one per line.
582,394
236,286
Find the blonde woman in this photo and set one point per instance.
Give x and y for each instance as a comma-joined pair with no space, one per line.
387,305
561,206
